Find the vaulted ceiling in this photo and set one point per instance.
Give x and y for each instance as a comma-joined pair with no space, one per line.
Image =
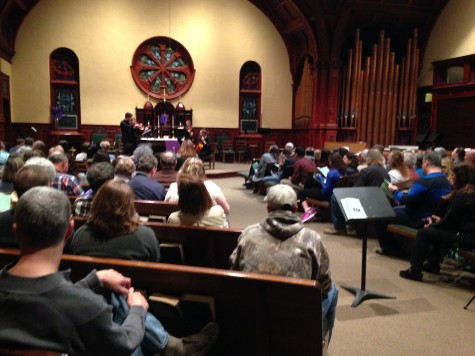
320,28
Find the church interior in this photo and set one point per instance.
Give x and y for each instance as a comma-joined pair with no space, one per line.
318,73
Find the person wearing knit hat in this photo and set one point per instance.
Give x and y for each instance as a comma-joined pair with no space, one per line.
282,245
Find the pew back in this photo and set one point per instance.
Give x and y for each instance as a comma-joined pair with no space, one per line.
257,314
155,208
202,246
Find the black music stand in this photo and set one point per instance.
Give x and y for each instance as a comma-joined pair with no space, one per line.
376,207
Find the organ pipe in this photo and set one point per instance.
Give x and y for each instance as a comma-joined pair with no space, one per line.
379,96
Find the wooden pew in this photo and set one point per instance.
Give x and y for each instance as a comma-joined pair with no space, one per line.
146,208
403,230
201,246
257,314
155,208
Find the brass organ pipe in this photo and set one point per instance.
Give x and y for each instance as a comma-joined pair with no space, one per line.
400,96
348,87
354,79
407,81
390,111
395,90
384,93
372,75
377,101
363,122
359,86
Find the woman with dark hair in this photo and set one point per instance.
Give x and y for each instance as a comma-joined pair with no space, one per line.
196,205
113,229
325,186
458,154
351,163
12,165
455,227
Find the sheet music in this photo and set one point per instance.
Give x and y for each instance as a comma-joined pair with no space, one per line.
353,208
324,171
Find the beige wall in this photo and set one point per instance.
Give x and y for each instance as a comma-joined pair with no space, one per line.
453,36
5,67
220,36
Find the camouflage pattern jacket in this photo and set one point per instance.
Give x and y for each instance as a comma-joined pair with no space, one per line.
281,245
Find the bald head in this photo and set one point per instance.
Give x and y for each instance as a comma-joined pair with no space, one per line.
168,160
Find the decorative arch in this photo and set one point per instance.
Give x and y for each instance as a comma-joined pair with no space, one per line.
64,89
250,97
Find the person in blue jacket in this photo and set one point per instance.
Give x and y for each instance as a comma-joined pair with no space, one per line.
321,188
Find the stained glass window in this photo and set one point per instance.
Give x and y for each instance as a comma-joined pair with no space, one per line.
162,68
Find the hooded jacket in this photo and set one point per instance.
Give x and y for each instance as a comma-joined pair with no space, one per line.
282,245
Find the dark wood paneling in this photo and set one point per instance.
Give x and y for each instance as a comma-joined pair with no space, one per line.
455,122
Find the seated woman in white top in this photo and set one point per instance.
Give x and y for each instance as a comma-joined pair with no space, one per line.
196,206
399,172
194,166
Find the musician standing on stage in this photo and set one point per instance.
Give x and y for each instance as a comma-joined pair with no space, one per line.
189,130
203,145
131,132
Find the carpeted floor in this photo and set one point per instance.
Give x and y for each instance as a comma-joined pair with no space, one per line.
425,318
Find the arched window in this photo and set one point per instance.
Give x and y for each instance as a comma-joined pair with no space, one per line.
64,82
250,97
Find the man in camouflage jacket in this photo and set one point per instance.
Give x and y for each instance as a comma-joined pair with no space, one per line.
282,245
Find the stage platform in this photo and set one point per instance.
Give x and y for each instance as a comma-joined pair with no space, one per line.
226,170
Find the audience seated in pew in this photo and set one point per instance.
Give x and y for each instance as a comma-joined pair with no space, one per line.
26,178
82,156
124,167
371,176
142,184
453,225
113,229
303,167
321,188
267,159
97,175
195,167
286,166
79,316
281,245
196,205
13,163
417,204
167,173
351,162
398,171
63,181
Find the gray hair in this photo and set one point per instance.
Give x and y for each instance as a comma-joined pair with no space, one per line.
410,159
433,158
147,163
43,162
141,151
42,216
441,151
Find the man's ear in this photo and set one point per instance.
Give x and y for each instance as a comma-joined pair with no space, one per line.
70,231
15,231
